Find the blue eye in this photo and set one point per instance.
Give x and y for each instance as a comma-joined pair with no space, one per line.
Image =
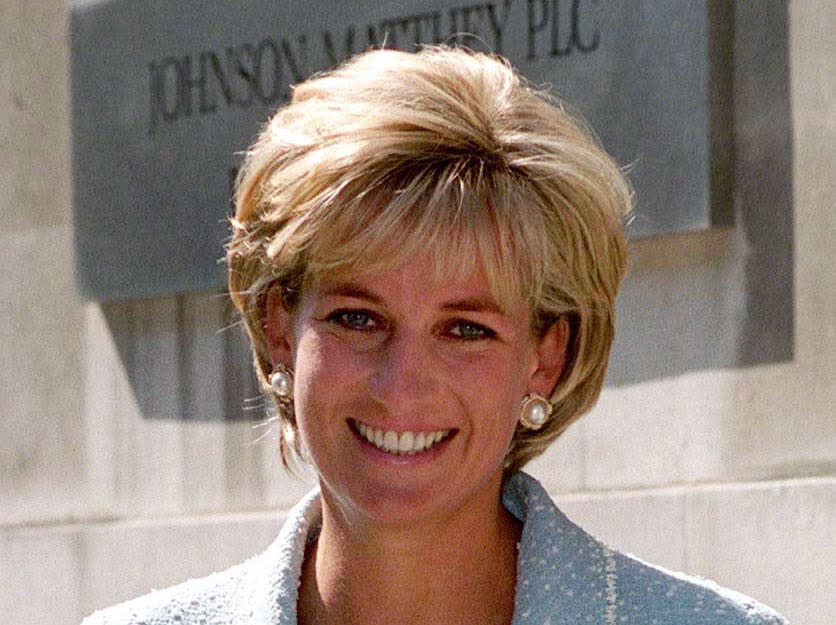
353,320
469,331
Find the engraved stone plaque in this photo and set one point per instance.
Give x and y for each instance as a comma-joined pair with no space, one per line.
165,94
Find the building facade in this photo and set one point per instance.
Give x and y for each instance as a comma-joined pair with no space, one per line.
120,470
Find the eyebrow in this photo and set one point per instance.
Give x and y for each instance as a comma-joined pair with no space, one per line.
474,304
465,304
349,289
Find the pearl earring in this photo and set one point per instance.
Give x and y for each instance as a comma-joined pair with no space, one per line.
281,381
534,411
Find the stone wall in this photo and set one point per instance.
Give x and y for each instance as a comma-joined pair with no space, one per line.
118,472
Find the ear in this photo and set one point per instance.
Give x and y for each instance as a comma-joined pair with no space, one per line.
278,328
551,353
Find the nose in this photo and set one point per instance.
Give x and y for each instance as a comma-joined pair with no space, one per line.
405,375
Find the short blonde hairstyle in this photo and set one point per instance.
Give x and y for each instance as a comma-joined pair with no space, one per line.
445,150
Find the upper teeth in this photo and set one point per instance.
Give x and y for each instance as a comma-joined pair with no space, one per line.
401,443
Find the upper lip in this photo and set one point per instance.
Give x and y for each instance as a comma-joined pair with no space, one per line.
403,442
399,429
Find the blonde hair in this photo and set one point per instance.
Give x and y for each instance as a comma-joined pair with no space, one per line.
451,151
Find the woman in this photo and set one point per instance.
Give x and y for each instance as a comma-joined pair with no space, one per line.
426,253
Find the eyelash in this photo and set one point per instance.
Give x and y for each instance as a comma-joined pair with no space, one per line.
483,332
341,318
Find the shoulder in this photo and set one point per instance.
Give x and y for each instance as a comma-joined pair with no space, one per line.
261,590
189,603
644,589
564,570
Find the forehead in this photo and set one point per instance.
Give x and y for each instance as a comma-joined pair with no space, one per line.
420,276
432,275
458,228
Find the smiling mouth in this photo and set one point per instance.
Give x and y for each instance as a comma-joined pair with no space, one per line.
406,443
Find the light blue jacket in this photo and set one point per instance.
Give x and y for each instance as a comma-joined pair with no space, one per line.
564,577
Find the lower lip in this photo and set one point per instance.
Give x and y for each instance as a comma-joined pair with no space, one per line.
422,457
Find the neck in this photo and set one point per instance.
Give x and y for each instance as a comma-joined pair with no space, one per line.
455,568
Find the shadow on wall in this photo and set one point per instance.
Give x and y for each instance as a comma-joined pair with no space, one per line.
186,357
724,298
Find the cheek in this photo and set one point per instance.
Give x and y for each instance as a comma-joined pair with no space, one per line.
508,368
309,360
494,389
324,371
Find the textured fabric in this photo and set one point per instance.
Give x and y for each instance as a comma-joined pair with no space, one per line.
564,577
567,577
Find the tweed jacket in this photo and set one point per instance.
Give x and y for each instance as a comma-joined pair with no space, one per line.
564,577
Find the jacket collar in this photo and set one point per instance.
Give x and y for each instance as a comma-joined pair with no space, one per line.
564,576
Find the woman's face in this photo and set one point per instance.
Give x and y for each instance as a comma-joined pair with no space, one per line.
407,389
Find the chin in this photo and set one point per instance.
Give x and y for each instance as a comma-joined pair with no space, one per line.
384,501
